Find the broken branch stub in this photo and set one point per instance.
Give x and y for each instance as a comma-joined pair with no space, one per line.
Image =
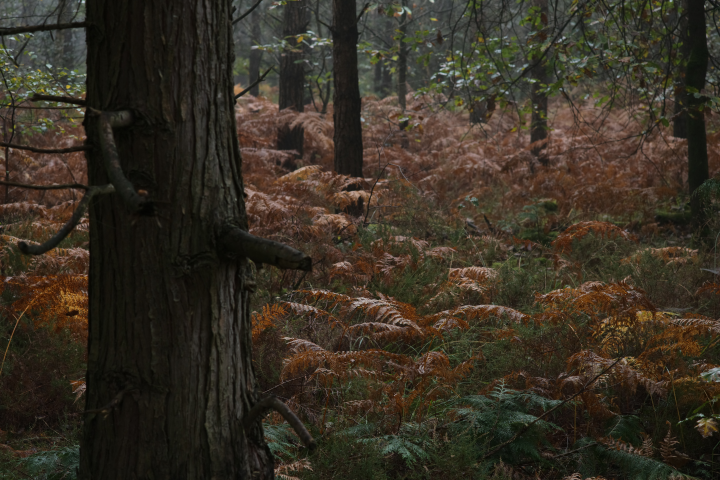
134,202
234,242
77,215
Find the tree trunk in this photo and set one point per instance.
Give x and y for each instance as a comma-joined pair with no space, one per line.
377,78
680,114
170,376
402,70
292,76
695,79
64,51
386,85
255,54
538,121
346,100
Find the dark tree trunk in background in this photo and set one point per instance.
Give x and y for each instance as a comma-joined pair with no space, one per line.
64,52
292,75
169,320
402,69
255,54
377,78
346,100
538,120
680,114
695,78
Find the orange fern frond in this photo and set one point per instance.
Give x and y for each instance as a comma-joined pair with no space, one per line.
269,317
670,255
563,243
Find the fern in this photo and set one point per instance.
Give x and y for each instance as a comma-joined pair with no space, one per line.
281,440
600,459
495,418
410,443
58,464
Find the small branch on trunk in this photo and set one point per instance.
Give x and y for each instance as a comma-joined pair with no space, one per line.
78,148
113,403
66,186
77,215
260,79
134,202
362,12
55,98
248,12
234,242
274,403
41,28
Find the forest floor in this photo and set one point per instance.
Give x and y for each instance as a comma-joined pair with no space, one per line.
471,313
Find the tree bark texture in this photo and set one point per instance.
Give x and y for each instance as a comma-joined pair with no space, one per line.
292,75
170,374
346,100
538,120
695,74
255,54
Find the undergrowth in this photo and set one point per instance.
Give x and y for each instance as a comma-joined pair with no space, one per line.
470,313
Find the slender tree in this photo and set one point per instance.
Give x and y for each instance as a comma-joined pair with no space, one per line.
680,114
538,97
292,75
255,54
347,104
65,47
402,67
695,74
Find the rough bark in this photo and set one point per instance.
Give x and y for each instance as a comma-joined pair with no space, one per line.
255,55
292,76
346,100
538,121
695,75
170,376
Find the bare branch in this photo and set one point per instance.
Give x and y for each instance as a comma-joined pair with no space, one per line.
273,403
77,215
57,98
135,202
78,148
249,11
260,79
234,242
41,28
66,186
362,12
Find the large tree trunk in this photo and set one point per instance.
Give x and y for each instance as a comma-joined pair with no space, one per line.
292,76
538,120
255,54
169,356
346,100
695,78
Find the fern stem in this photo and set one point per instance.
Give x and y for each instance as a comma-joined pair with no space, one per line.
11,337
